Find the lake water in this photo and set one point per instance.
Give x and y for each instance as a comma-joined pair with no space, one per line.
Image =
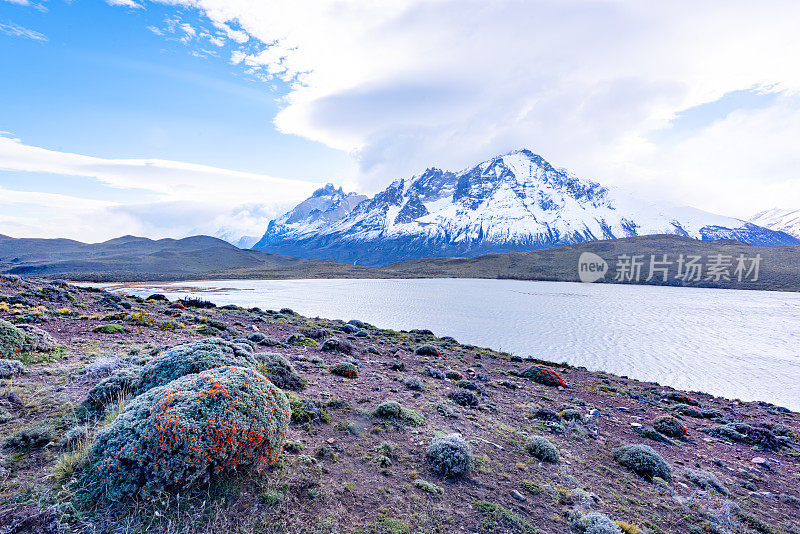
738,344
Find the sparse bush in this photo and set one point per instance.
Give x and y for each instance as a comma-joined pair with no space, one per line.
706,480
597,523
345,369
689,411
293,447
394,411
572,414
541,374
433,372
744,433
426,350
464,398
413,383
196,303
12,339
643,460
36,339
500,519
546,414
271,498
337,345
449,456
280,371
119,384
30,438
669,426
191,358
10,368
184,432
542,448
301,341
429,487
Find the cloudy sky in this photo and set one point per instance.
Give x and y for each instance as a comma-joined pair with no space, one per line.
178,117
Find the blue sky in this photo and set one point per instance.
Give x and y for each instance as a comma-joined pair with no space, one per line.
108,110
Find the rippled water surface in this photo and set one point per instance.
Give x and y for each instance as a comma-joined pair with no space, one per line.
739,344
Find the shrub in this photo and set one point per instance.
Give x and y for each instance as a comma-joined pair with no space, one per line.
706,480
36,339
669,426
572,414
271,498
12,339
29,438
196,303
303,341
449,456
541,374
433,372
280,372
345,369
108,329
546,414
158,297
191,358
394,411
498,517
464,398
429,487
597,523
413,383
643,460
10,368
689,411
308,411
182,433
337,345
426,350
745,433
114,387
452,374
542,448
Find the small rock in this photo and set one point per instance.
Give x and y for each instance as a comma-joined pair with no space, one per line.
517,495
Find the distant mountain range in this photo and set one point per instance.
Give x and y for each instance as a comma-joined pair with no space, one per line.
513,202
131,258
782,220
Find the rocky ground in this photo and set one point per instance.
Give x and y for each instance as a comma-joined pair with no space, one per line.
731,466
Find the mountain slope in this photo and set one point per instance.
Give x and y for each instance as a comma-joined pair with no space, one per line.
137,258
513,202
782,220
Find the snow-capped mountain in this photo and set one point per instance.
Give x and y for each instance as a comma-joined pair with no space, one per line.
782,220
513,202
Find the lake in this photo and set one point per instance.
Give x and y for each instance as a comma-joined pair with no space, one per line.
738,344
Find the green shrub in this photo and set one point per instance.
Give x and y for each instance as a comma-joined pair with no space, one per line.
449,456
281,372
643,460
392,410
542,448
182,433
706,481
308,411
293,446
572,414
108,329
669,426
500,519
12,339
597,523
429,487
345,369
464,398
302,341
271,498
191,358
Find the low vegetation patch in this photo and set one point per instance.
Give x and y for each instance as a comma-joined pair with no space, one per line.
643,460
450,456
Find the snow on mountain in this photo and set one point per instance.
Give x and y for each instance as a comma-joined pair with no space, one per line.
782,220
517,201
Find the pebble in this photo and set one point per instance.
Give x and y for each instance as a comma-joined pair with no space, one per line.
517,495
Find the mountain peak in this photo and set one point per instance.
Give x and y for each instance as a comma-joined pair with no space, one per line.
512,202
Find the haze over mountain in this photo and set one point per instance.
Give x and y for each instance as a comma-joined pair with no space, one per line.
513,202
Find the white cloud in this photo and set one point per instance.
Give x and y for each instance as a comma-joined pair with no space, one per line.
408,84
192,198
15,30
125,3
